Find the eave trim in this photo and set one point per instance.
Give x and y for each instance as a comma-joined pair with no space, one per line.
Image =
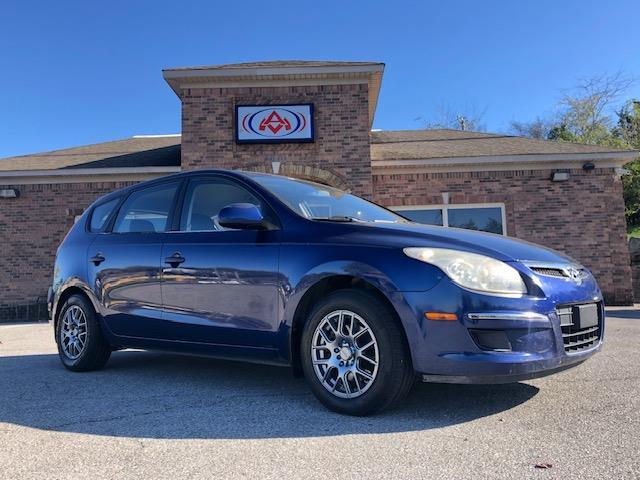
538,158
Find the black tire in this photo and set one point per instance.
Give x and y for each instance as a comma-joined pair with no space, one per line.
96,351
395,375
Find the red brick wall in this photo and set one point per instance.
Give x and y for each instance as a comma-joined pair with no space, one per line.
341,115
32,226
583,217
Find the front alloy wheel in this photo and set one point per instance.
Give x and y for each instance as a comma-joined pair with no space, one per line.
345,354
354,354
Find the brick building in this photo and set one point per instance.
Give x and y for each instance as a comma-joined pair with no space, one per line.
565,196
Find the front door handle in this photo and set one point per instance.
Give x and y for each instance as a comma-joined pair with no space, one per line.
97,259
175,259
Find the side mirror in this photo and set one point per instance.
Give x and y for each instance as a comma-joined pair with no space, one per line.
242,216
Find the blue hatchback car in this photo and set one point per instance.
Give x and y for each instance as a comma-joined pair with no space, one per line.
356,298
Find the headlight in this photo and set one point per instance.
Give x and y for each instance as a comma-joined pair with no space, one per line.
471,270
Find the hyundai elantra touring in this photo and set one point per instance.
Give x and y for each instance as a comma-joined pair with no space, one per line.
354,297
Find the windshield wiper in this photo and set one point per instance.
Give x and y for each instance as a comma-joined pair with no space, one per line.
338,218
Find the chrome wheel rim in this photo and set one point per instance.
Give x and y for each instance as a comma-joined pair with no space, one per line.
73,332
344,354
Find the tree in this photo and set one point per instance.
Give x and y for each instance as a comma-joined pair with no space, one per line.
585,113
631,193
469,225
493,226
539,128
587,108
562,133
468,118
628,129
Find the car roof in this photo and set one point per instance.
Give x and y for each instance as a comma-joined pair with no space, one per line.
176,176
250,176
238,174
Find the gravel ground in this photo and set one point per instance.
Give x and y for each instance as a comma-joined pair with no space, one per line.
165,416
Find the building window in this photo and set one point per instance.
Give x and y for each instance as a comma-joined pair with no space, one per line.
486,217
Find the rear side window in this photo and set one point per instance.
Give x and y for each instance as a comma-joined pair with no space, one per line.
101,214
146,210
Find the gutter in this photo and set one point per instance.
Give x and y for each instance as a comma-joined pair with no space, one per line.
190,72
503,163
625,156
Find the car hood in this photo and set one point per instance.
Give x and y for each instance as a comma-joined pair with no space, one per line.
496,246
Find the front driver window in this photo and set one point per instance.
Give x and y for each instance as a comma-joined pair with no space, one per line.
204,200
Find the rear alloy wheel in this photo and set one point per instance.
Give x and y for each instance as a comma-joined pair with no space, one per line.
81,345
354,355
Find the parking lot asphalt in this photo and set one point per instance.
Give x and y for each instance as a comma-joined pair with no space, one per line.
151,415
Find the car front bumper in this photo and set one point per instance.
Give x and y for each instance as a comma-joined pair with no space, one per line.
531,332
498,378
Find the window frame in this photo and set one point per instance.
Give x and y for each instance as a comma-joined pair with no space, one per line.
182,196
445,207
172,209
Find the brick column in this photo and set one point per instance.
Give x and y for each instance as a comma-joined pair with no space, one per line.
341,146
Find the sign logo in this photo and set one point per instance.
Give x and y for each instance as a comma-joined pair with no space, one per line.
274,123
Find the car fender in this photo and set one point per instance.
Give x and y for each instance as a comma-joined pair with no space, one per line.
294,294
75,283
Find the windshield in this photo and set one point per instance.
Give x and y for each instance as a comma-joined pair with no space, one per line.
320,202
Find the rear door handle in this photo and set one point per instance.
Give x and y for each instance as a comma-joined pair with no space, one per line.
97,259
175,259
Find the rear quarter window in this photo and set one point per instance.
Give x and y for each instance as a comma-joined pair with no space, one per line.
101,214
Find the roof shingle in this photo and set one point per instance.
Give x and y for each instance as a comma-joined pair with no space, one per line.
161,151
445,143
118,153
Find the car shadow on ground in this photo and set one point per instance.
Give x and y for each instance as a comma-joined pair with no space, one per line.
153,395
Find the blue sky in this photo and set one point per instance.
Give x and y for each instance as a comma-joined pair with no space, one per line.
74,73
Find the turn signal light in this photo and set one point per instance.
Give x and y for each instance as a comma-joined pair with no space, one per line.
440,316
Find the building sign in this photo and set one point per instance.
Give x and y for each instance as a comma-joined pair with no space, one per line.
274,123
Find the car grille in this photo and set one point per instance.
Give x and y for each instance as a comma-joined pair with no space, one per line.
574,338
558,271
551,272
